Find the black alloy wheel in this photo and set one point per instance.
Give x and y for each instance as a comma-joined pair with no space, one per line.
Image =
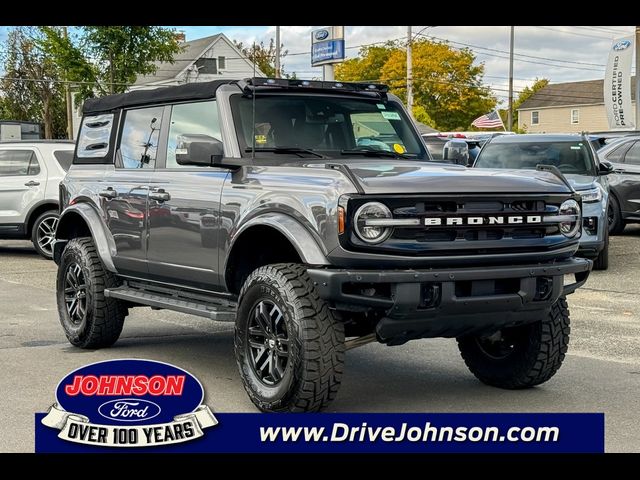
75,293
268,342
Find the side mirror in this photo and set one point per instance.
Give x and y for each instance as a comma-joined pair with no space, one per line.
199,150
605,168
456,151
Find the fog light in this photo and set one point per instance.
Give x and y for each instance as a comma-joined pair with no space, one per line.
430,295
544,287
590,224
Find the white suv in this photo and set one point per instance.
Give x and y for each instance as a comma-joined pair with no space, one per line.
30,172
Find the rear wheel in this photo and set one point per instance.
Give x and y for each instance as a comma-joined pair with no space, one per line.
614,216
288,346
89,319
519,357
43,233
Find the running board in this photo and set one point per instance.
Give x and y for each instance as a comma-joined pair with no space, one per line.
157,297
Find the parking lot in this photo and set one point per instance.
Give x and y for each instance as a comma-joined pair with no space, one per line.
600,374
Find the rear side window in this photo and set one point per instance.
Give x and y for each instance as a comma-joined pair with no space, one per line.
14,163
64,158
93,141
140,134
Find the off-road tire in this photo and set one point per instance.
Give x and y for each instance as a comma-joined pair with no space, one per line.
535,358
45,221
617,225
316,348
102,324
601,262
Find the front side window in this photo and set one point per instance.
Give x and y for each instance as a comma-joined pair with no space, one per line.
617,153
575,115
332,126
139,141
14,163
191,119
633,155
570,157
535,118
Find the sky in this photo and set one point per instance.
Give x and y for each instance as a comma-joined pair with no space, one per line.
560,53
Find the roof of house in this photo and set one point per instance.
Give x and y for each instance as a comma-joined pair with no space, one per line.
188,91
588,92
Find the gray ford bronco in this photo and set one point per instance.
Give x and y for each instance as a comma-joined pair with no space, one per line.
311,215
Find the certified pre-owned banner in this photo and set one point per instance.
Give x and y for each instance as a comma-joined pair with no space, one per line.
617,84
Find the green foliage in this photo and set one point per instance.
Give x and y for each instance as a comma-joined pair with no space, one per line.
421,115
525,94
31,90
447,82
264,57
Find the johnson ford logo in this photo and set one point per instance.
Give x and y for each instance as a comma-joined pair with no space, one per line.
321,34
622,45
129,403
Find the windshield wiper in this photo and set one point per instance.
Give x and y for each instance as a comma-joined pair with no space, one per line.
374,153
285,150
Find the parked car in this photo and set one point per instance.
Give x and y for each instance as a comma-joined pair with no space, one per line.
576,159
624,201
310,241
436,142
30,172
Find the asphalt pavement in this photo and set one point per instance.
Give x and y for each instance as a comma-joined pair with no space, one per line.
601,372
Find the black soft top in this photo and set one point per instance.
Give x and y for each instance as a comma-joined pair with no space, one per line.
189,91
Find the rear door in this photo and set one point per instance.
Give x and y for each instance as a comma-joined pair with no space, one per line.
184,204
125,196
23,180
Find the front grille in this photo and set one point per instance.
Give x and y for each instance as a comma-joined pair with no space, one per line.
428,238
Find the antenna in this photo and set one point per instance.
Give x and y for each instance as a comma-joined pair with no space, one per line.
253,107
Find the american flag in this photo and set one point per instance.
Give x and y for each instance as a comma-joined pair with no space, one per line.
490,120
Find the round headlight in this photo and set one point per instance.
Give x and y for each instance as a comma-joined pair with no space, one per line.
365,222
570,227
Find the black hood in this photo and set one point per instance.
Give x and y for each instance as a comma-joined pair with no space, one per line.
398,176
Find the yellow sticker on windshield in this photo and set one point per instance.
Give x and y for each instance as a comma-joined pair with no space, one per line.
398,148
262,139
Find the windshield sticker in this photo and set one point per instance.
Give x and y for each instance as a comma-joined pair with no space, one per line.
261,139
573,147
381,106
399,148
391,115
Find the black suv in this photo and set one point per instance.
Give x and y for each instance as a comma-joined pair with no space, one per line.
308,213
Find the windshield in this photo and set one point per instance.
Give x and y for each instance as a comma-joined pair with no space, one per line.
330,126
570,157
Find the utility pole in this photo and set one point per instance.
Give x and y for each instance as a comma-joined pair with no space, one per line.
637,109
67,93
328,74
510,112
277,52
409,73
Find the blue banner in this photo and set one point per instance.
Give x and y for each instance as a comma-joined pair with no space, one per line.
364,433
327,51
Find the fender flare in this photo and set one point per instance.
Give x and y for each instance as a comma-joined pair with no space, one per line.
305,244
102,238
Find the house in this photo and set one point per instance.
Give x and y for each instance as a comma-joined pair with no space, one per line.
201,60
567,107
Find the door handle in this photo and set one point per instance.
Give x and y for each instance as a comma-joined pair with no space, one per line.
108,193
159,195
32,183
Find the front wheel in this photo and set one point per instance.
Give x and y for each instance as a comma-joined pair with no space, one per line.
288,346
43,233
614,216
601,262
519,357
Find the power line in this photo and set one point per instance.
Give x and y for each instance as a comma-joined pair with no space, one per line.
572,33
606,30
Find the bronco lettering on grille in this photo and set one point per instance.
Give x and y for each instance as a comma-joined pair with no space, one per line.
484,220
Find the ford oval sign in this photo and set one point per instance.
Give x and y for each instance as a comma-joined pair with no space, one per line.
129,403
322,34
621,45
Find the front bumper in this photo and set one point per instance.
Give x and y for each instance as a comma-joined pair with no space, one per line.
450,302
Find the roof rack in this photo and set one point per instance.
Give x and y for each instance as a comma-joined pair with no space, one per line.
248,85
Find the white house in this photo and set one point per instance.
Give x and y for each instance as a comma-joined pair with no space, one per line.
201,60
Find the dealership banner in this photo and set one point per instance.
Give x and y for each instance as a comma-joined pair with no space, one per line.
358,433
617,84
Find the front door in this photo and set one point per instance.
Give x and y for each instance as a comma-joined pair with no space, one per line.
184,205
125,196
626,178
23,180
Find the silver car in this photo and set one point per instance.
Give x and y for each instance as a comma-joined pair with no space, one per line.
574,156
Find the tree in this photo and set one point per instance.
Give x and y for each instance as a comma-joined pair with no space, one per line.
447,82
264,57
107,59
31,85
525,94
